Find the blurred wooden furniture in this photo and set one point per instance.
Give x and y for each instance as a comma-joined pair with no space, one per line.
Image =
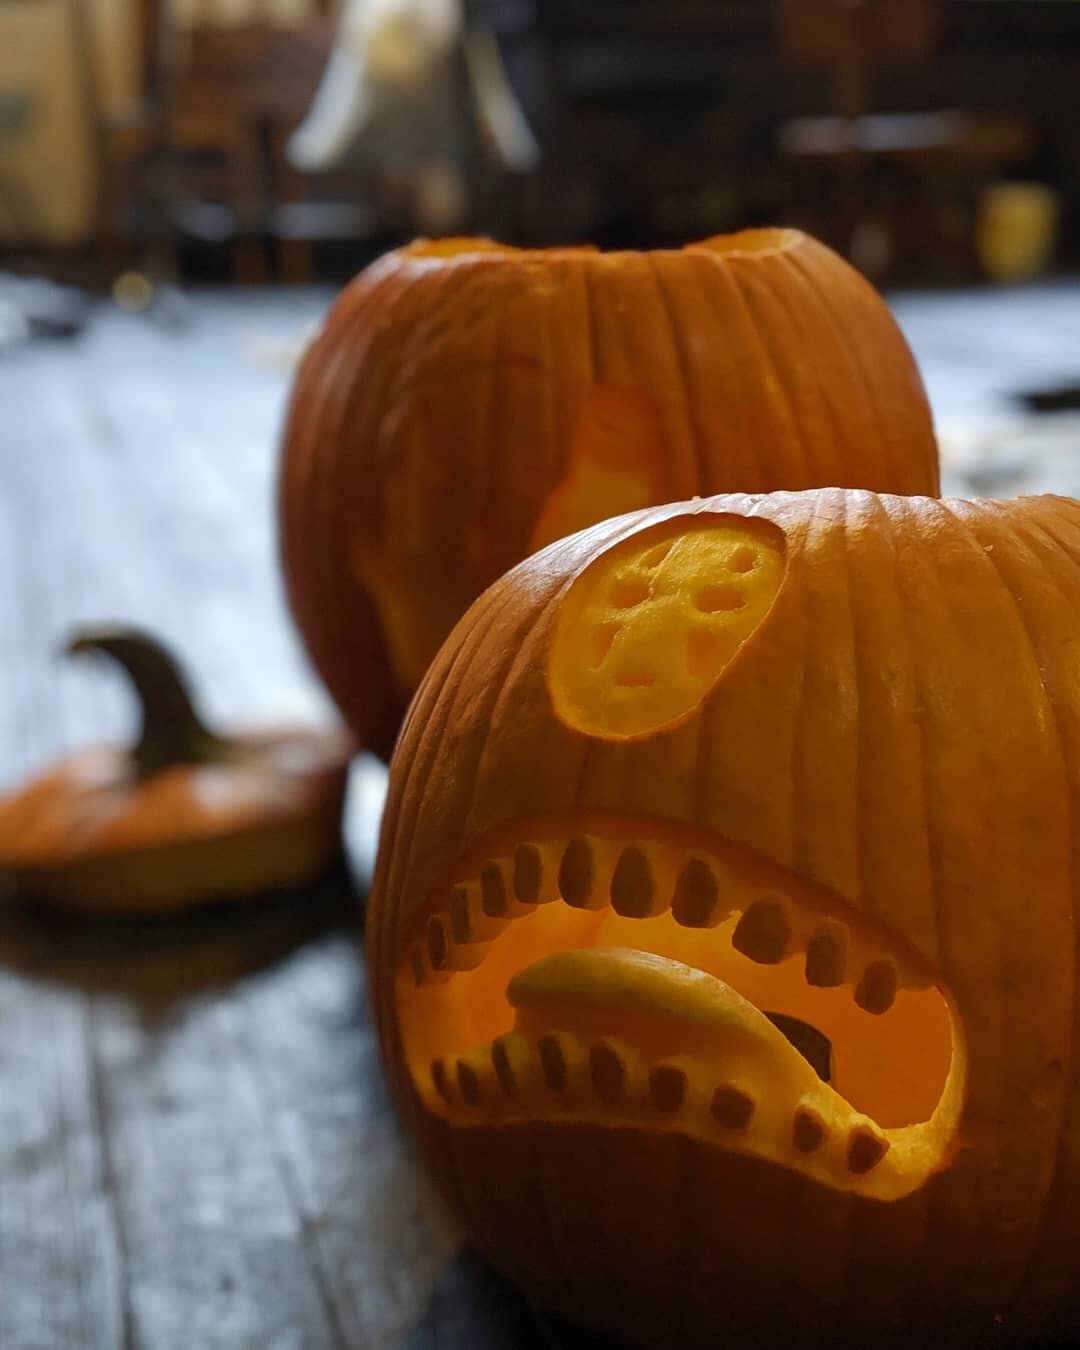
661,117
852,40
200,153
132,148
238,92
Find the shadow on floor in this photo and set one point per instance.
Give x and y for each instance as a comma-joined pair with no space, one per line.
158,961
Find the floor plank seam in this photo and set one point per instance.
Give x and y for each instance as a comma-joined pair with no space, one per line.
110,1179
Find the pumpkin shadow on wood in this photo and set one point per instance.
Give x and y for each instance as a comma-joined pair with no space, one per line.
473,1306
160,960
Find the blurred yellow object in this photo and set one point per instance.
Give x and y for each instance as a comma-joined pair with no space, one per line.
1016,231
133,291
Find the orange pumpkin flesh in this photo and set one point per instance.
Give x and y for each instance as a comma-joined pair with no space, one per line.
183,817
600,901
466,403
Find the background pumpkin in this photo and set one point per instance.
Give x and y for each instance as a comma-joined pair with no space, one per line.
885,746
183,816
467,402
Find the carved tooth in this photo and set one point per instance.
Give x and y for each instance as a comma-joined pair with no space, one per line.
607,1069
732,1107
634,890
577,876
866,1148
826,955
667,1088
529,875
468,1083
468,922
461,921
446,956
440,1079
438,944
697,896
877,988
494,898
809,1130
466,956
502,1061
497,899
422,971
552,1062
763,933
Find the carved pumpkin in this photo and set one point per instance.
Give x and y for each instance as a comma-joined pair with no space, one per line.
466,403
184,816
724,935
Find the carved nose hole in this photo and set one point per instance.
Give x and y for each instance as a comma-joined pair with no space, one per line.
743,560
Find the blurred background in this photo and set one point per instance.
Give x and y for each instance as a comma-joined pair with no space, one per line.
150,149
175,158
248,140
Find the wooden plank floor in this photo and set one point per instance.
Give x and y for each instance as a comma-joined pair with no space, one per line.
196,1148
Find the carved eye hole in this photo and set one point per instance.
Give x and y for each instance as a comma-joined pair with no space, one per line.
743,560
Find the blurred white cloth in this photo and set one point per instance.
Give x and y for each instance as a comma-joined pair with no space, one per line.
389,90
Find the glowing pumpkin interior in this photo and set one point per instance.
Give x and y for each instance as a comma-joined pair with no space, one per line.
615,968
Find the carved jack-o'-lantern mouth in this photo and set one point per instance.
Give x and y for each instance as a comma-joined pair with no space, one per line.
637,971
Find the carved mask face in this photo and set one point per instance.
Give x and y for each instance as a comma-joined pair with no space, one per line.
707,843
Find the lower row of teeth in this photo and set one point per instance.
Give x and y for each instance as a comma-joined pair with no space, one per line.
606,1072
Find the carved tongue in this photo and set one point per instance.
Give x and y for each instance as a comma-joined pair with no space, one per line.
659,1006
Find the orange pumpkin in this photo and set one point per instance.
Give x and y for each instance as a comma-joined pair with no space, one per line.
466,403
183,817
723,942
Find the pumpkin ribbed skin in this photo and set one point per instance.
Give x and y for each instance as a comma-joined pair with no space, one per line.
456,385
903,728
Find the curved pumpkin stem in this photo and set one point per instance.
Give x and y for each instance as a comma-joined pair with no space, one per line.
172,732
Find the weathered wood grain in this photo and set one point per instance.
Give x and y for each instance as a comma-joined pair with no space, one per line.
195,1145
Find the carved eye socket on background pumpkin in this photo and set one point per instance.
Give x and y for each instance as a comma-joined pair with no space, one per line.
648,629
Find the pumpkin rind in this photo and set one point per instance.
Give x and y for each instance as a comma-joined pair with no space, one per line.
901,728
465,403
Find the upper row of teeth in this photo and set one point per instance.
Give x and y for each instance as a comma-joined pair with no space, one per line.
642,880
512,1069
